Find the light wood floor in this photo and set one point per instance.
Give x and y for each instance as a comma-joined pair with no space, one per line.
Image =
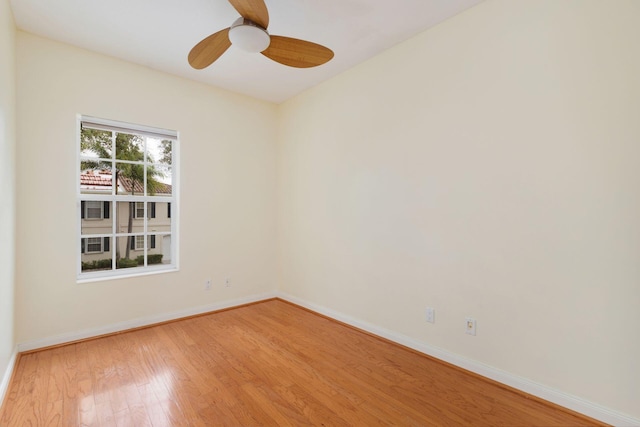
270,364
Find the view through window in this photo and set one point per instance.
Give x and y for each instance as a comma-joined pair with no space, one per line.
126,189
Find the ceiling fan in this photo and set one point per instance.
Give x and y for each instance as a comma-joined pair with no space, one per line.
249,32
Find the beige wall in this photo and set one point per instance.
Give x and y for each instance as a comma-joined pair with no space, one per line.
7,182
227,199
486,168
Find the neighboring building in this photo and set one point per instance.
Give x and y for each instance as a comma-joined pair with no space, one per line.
97,219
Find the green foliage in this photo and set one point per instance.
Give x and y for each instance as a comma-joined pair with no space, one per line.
151,259
127,263
166,151
154,259
100,264
97,142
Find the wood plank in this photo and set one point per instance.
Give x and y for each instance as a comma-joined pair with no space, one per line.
270,363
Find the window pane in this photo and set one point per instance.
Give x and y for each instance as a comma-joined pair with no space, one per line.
129,147
96,181
96,253
95,144
130,178
159,217
158,249
127,254
163,248
126,219
159,151
159,181
95,217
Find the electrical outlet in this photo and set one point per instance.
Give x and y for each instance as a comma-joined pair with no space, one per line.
227,282
431,315
207,285
470,327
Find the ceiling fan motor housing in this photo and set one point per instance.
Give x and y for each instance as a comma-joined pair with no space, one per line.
249,36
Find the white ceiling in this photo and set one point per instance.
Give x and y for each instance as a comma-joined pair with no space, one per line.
160,33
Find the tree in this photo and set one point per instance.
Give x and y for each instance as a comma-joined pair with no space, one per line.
166,151
128,147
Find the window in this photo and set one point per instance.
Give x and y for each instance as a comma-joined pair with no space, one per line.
126,176
138,210
139,243
93,210
94,244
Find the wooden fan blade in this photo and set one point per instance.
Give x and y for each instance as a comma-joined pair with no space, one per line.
208,50
297,53
253,10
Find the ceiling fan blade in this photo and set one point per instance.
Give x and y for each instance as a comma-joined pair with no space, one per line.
253,10
208,50
297,53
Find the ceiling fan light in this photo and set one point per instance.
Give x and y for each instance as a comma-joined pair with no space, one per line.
248,36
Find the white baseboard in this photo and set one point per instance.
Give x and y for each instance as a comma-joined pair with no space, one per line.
574,403
4,383
139,322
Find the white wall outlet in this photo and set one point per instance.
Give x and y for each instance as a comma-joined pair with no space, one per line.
207,285
470,327
431,315
227,282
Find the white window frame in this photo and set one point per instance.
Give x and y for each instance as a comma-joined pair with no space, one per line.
114,198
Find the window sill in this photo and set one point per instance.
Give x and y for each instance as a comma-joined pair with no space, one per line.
91,278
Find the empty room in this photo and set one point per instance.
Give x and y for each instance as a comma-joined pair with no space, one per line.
274,212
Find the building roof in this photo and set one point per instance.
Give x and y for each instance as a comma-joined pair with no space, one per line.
129,185
93,180
102,180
